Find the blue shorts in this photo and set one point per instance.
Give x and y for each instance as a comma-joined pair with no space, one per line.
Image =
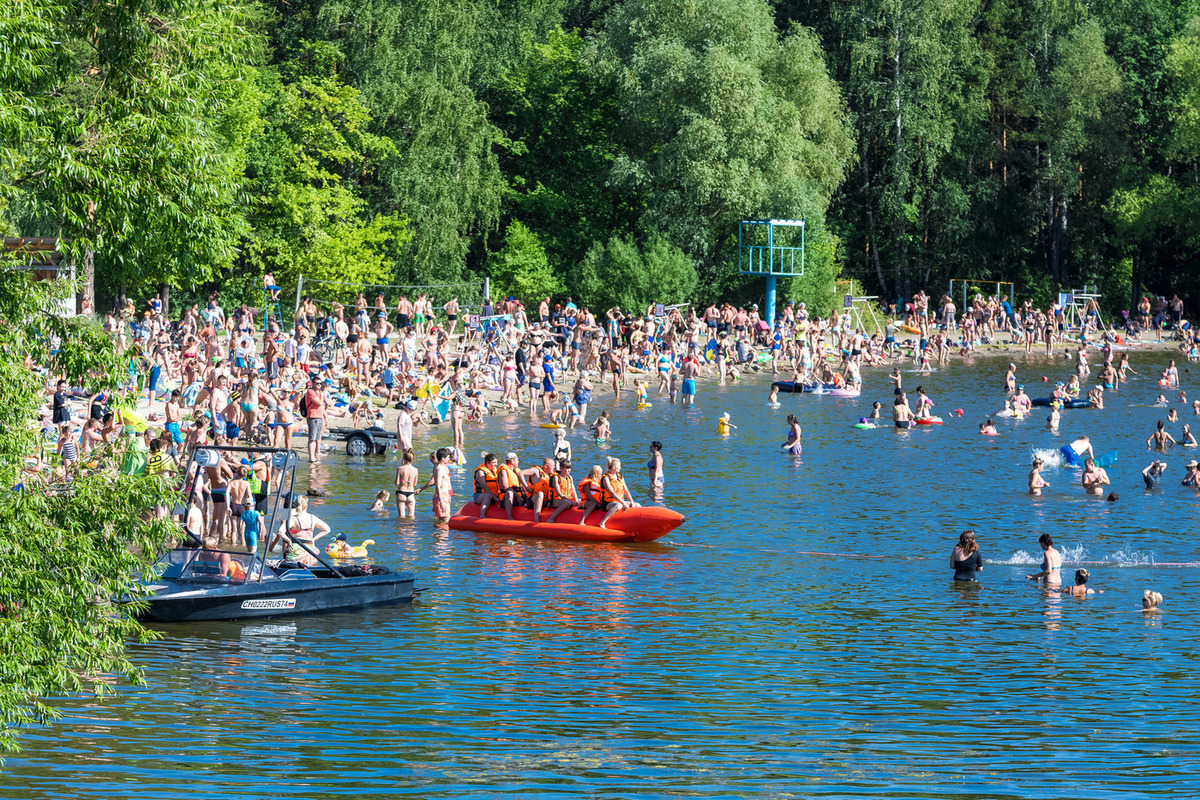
176,434
689,386
232,431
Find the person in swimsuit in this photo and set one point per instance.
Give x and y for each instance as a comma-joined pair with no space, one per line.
241,499
655,465
1036,481
1051,562
1094,479
792,445
901,413
965,559
562,447
443,493
304,529
406,485
1080,589
1160,438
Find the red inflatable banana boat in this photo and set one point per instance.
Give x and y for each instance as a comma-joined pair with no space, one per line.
644,524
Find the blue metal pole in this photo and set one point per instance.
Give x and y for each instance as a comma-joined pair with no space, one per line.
770,317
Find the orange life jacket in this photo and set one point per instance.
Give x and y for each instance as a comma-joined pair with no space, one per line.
542,483
560,487
618,490
514,479
490,479
589,490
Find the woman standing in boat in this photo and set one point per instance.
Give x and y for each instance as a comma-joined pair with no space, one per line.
304,530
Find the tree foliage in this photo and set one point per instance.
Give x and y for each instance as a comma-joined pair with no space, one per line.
305,171
66,549
121,125
620,273
520,268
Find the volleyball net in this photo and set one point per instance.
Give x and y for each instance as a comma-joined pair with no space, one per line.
326,293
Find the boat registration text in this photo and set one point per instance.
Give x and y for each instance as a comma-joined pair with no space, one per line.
288,603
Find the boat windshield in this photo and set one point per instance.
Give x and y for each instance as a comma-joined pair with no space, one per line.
207,565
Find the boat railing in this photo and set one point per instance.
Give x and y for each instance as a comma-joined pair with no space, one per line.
276,510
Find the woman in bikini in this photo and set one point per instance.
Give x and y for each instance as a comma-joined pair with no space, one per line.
406,486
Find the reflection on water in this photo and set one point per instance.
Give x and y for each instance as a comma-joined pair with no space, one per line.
800,636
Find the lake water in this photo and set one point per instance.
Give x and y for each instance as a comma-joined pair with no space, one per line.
799,637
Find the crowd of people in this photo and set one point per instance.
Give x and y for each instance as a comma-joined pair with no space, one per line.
225,380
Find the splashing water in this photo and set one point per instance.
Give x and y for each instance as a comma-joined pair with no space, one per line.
1050,458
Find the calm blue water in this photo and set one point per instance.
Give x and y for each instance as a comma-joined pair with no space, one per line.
735,658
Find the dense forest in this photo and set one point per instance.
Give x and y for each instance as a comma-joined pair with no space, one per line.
606,149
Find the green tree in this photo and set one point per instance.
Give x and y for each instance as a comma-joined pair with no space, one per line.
619,273
520,268
120,126
65,550
413,64
305,172
722,118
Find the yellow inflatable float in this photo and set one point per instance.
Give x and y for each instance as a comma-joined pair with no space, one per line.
340,548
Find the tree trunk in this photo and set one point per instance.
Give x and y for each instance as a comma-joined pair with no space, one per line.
872,244
164,294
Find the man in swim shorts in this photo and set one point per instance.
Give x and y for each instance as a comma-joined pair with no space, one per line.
688,372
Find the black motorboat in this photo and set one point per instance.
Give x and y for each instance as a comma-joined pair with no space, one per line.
203,580
799,387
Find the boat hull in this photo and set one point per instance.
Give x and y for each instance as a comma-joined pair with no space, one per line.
1042,402
179,602
807,388
644,524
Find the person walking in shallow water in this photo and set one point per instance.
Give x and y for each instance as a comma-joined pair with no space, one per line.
1051,562
965,559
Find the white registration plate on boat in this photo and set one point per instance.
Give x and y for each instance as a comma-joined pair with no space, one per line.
269,604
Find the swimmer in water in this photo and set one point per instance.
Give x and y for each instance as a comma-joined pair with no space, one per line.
1051,562
773,397
988,428
1185,436
723,426
876,407
1150,601
793,441
380,498
1080,589
1094,479
1172,416
1036,481
1161,400
1160,439
1054,418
